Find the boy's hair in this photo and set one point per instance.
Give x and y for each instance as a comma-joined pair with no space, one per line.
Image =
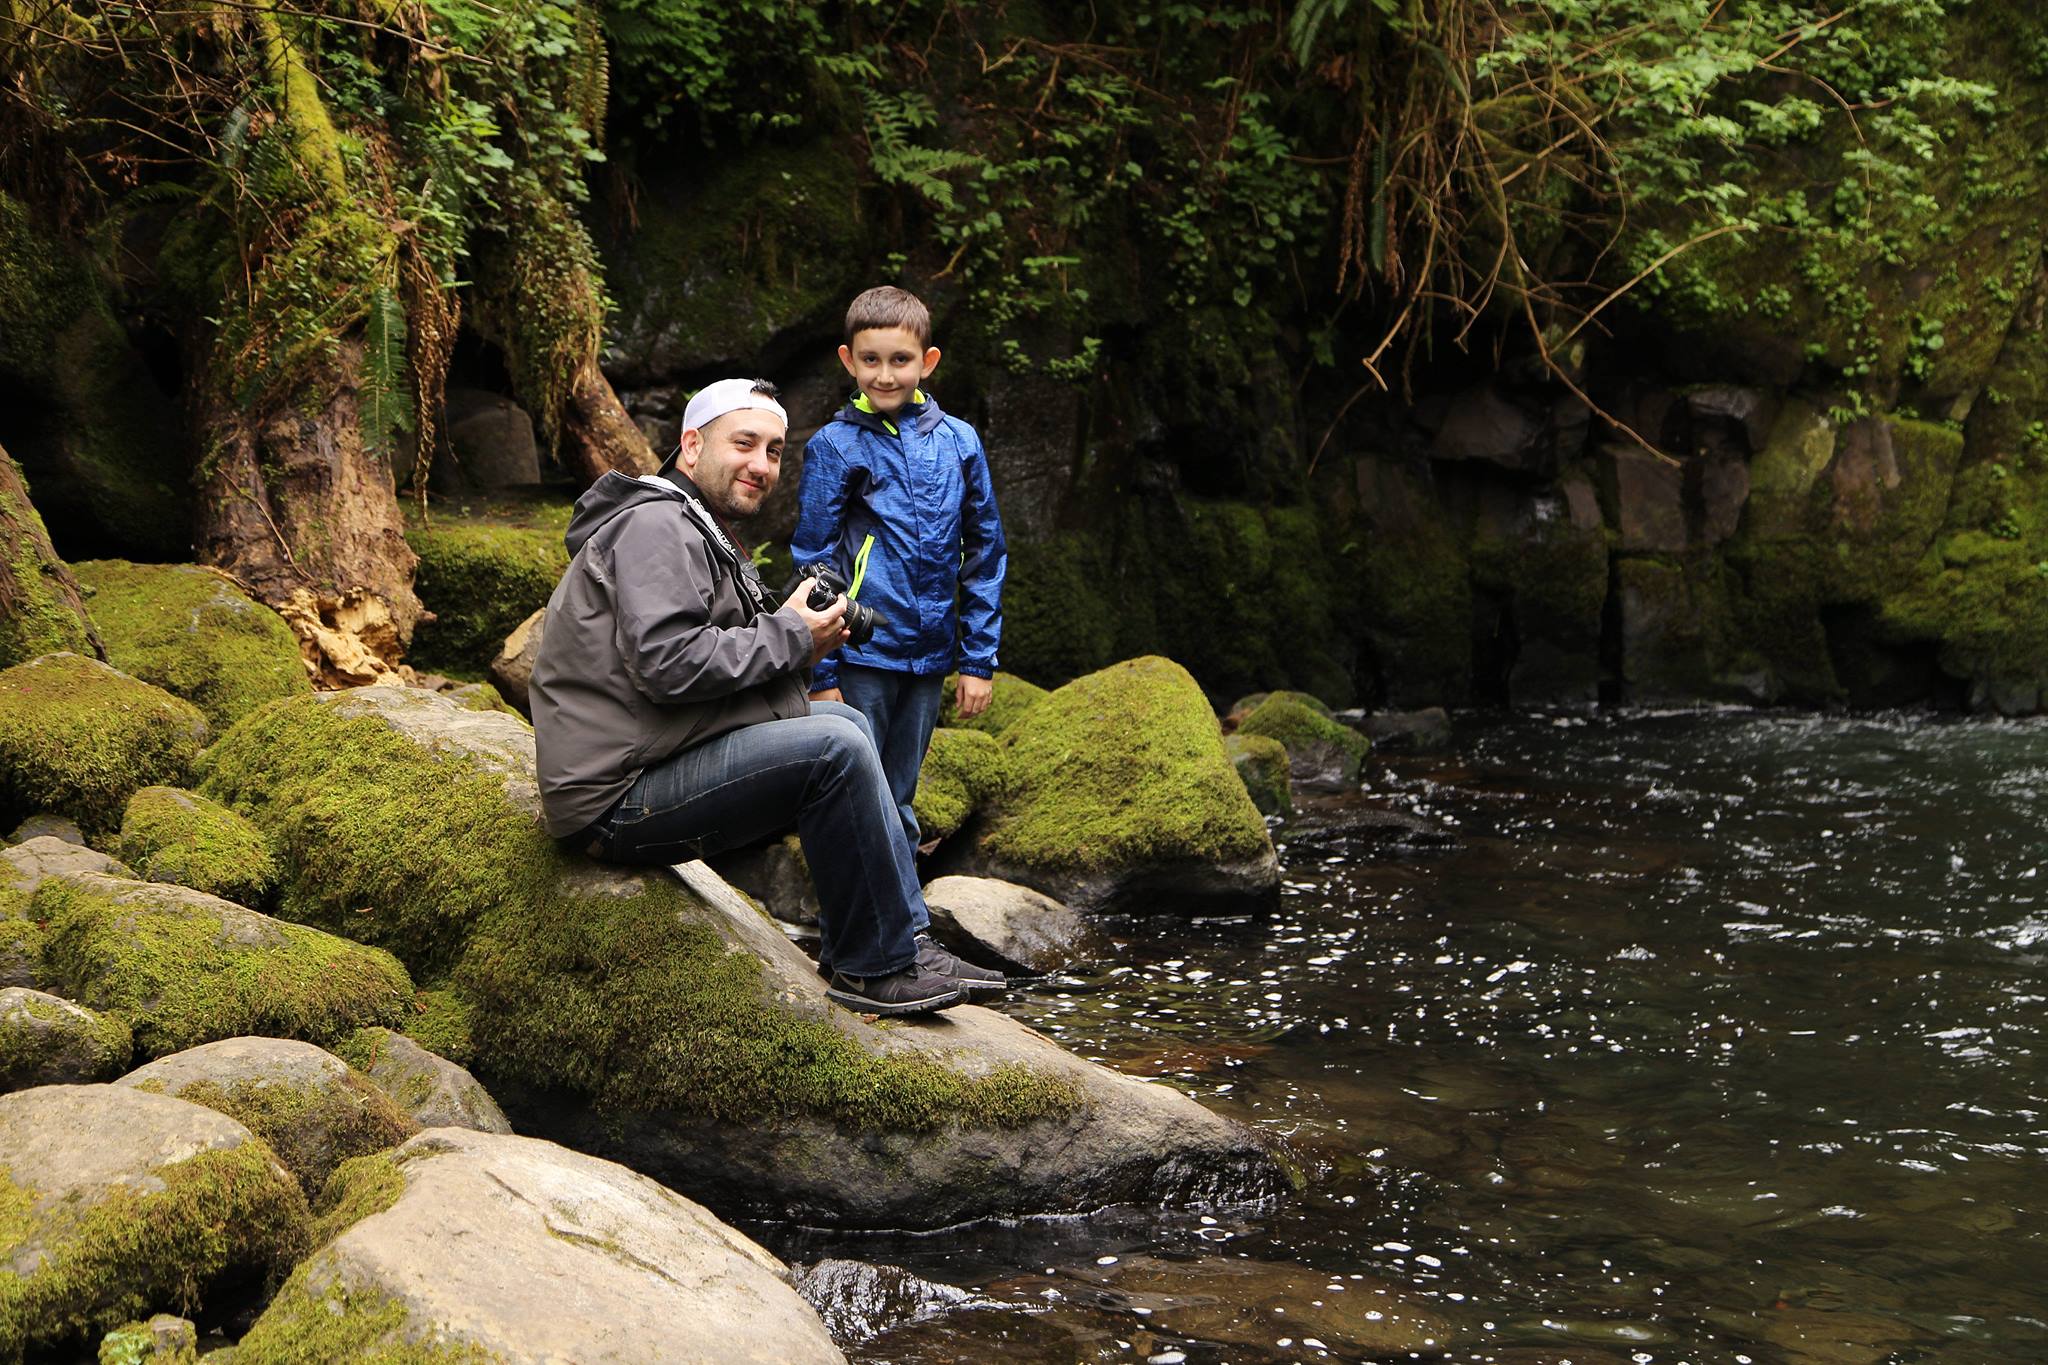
887,306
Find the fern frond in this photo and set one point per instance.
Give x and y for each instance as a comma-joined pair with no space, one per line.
384,407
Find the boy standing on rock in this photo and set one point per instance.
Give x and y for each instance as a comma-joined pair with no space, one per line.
896,495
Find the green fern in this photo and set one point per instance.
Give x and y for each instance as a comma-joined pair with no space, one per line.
384,406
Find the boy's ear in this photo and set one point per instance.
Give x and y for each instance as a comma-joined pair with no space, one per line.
846,359
931,361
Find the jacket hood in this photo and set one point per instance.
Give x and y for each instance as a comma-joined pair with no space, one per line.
923,413
611,495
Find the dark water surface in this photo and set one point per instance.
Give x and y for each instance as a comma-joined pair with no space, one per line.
1714,1038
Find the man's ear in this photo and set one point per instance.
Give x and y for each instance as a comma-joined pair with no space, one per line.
846,359
931,361
691,446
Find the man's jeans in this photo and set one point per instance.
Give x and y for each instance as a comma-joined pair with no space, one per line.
902,709
819,771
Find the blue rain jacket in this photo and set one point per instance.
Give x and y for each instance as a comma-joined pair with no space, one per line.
920,486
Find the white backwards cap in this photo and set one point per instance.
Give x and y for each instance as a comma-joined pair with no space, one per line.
716,399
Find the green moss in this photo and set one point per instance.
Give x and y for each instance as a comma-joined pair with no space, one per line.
1058,619
360,1187
1262,766
78,738
631,999
193,633
482,696
440,1022
1009,698
170,835
1297,726
480,580
1245,705
26,1051
38,620
312,1128
138,1343
365,1049
963,769
183,969
1123,766
1680,641
1415,601
316,1317
139,1248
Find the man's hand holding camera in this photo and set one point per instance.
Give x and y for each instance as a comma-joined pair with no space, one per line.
827,624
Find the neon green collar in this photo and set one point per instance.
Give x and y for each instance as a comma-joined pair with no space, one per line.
860,401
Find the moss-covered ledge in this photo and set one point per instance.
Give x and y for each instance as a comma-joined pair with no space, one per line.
661,1019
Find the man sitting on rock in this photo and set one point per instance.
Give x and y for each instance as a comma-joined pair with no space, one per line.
669,710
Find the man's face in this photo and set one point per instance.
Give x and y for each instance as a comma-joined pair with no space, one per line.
888,363
735,460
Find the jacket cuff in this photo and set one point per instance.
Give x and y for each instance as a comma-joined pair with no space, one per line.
975,671
824,675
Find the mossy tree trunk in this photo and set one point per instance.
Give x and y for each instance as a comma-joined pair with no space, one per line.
597,434
40,610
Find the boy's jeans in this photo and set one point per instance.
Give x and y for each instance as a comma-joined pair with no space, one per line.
746,785
902,709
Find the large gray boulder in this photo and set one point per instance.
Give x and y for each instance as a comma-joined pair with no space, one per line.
121,1203
308,1104
47,1040
1002,925
661,1018
434,1090
523,1251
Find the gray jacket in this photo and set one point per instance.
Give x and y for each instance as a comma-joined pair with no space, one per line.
652,644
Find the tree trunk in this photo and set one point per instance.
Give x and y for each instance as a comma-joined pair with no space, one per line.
597,435
40,610
298,509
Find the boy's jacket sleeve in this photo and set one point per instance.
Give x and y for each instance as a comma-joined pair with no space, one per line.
821,512
985,559
671,650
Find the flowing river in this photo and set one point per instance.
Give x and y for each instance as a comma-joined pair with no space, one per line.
1708,1037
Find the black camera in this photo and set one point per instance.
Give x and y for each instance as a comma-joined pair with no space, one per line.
860,620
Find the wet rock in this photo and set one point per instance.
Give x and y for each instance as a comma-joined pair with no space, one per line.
1337,826
183,968
309,1105
1484,424
163,1340
167,1202
473,1227
78,738
1648,494
434,1090
47,826
858,1300
1001,925
1321,754
47,1040
1722,492
775,875
512,668
1746,411
1407,731
1261,763
1032,428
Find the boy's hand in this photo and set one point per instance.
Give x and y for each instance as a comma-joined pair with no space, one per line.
827,627
828,694
971,698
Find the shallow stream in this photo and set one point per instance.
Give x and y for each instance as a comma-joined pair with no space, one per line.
1709,1038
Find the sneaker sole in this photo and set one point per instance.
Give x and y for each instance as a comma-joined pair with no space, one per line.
861,1004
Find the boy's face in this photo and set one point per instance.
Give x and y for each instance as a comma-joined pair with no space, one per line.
888,363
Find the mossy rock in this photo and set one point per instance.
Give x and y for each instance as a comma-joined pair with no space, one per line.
313,1109
166,1204
1319,750
41,617
164,1340
1244,706
172,835
1009,698
195,634
1119,787
23,869
435,1091
481,578
47,1040
78,738
440,1022
481,696
963,770
184,968
659,1014
1262,766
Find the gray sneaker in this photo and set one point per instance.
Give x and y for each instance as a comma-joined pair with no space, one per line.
973,980
910,991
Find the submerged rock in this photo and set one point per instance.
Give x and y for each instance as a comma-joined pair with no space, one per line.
309,1105
1120,794
166,1203
192,632
998,924
1429,728
859,1300
172,835
78,738
522,1251
434,1090
664,1019
46,1040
